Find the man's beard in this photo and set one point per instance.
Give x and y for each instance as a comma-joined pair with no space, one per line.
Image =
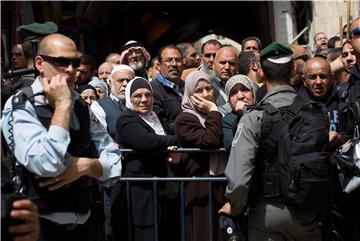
121,97
139,65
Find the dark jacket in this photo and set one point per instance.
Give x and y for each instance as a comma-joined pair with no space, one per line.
167,105
349,92
191,133
134,133
348,204
113,110
332,105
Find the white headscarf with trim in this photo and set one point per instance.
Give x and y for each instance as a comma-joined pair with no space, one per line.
151,119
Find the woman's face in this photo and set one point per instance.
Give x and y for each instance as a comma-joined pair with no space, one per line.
142,100
89,96
239,93
205,90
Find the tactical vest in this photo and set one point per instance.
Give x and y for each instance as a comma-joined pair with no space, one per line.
76,196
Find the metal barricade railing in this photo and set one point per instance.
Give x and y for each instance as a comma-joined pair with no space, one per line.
181,180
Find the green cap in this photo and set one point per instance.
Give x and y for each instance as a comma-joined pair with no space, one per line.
276,53
35,30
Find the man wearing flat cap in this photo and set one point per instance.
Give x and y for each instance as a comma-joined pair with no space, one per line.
134,54
266,220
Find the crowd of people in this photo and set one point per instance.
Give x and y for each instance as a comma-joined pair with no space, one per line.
66,124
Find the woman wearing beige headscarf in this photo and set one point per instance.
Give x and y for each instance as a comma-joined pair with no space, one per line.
199,126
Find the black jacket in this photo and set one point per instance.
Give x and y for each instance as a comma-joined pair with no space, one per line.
332,104
167,105
134,133
349,92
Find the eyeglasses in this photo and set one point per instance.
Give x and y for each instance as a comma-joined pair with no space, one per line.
303,57
355,32
62,61
209,55
171,60
17,54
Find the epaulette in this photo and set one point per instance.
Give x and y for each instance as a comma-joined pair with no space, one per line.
21,96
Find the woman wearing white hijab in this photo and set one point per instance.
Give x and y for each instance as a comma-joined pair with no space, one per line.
139,128
200,126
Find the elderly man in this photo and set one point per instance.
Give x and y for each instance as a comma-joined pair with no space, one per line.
108,109
134,54
107,112
59,148
226,64
252,44
168,87
104,71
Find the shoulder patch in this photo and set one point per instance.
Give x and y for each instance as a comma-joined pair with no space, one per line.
237,134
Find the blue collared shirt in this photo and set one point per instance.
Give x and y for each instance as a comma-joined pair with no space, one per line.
44,151
169,84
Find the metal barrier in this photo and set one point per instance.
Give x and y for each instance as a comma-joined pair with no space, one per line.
181,180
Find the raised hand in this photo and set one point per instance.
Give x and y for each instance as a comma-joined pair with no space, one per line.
203,105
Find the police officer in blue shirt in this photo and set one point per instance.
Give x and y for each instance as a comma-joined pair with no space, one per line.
60,148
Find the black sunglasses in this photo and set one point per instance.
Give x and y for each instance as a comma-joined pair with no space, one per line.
62,61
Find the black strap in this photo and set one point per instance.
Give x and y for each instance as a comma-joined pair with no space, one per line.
272,139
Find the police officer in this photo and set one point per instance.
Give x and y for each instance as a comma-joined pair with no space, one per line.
267,220
59,147
25,77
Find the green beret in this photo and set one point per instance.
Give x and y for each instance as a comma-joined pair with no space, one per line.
276,53
35,30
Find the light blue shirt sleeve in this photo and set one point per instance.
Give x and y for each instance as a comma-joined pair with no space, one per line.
41,151
109,152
